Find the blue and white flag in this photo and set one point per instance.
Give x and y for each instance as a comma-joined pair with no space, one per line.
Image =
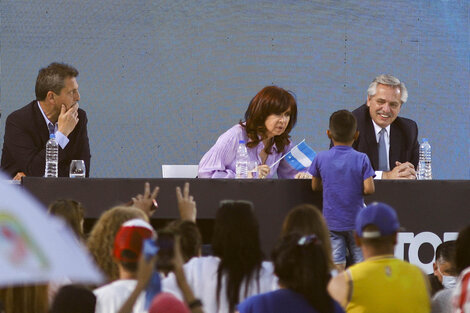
301,156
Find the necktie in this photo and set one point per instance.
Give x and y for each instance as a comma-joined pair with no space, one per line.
382,152
51,128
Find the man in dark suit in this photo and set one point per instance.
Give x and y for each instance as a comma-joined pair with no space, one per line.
390,141
55,110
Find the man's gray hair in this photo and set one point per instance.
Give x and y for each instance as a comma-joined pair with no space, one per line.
388,80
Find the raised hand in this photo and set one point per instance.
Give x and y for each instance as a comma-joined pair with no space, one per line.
146,202
186,204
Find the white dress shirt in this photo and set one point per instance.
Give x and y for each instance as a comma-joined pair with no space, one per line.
377,129
61,139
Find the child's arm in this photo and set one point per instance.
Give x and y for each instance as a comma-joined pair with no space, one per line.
369,187
316,183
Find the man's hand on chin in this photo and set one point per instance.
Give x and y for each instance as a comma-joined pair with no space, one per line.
68,119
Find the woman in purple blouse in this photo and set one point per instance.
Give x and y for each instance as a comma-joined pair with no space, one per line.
270,117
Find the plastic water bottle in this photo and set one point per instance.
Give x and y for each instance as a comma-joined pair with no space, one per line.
241,165
424,165
52,157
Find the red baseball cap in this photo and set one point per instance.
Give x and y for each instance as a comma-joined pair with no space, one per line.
130,237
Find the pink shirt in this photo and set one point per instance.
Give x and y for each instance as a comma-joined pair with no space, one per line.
219,161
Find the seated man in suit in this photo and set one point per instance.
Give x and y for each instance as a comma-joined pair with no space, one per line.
390,141
55,110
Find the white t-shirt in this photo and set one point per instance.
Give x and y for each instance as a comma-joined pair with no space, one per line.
201,274
441,302
110,297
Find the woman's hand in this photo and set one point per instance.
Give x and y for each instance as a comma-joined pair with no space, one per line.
146,202
186,204
263,171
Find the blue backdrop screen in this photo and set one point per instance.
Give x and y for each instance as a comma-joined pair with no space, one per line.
161,80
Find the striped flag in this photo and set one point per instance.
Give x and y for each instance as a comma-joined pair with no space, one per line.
301,156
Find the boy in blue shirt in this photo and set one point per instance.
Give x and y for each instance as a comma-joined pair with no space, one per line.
345,176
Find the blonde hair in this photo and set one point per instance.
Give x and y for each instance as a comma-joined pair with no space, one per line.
101,240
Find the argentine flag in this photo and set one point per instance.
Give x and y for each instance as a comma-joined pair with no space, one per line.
301,156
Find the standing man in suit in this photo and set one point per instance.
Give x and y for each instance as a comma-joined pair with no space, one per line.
55,110
390,141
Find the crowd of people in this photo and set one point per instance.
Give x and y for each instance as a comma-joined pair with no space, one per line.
300,276
340,259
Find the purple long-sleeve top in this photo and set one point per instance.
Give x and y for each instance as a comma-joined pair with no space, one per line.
219,161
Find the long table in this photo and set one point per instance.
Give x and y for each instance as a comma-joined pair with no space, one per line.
430,211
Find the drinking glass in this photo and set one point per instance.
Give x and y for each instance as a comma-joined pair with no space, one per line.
77,169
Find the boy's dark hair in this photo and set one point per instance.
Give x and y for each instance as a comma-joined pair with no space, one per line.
343,126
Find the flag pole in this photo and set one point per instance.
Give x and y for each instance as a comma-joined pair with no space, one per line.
285,154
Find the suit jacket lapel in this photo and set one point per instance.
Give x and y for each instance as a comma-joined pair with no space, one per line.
43,131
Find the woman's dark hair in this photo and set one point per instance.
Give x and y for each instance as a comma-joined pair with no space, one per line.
270,100
236,242
72,212
300,264
462,250
306,219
